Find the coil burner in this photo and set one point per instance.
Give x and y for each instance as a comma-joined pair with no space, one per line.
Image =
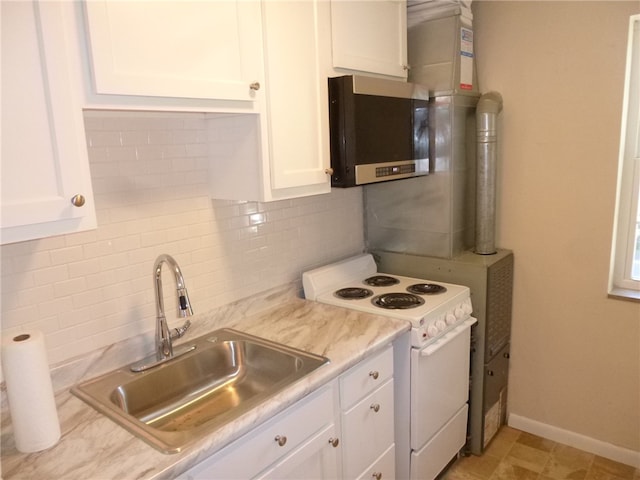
426,289
353,293
381,281
397,301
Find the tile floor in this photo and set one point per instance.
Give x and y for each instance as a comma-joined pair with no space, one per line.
516,455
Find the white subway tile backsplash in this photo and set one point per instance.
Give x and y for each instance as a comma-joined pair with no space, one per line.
66,288
150,178
19,316
125,155
134,137
104,138
55,306
81,238
87,297
63,256
49,275
32,296
26,263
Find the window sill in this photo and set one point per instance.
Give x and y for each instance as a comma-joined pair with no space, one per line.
625,294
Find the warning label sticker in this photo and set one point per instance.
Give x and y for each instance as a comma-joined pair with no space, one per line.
466,58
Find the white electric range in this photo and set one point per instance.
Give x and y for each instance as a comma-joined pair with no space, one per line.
438,387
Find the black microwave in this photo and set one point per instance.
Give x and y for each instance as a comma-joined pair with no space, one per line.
379,130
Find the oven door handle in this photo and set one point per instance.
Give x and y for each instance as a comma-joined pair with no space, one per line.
446,338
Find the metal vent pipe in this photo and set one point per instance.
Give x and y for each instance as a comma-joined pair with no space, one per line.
487,111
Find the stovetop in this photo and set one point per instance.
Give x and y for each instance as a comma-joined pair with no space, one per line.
433,308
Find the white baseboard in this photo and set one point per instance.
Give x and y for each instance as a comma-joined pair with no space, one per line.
591,445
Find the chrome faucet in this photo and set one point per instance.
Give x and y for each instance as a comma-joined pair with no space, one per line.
164,337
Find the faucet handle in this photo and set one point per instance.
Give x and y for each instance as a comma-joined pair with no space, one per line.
180,331
184,305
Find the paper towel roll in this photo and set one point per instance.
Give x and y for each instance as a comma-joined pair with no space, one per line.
31,402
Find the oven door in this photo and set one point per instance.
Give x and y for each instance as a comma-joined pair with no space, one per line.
439,382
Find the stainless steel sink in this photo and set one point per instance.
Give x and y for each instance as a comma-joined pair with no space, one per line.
188,397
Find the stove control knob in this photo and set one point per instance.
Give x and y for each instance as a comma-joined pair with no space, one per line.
441,325
450,318
459,312
432,330
467,307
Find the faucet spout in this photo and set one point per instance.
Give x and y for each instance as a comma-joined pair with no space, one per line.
164,344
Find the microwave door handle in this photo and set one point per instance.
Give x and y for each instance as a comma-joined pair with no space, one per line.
449,336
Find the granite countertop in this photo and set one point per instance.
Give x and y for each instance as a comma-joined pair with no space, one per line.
94,447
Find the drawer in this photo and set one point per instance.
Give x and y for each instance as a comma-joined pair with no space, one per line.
365,377
384,468
368,430
317,458
431,459
259,449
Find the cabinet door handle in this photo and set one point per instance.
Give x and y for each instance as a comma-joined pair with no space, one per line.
78,200
375,407
334,442
281,440
374,374
255,86
377,475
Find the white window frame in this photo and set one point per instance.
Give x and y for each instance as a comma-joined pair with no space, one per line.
621,284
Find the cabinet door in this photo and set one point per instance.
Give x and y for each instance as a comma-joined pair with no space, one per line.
370,36
187,49
277,439
383,468
44,155
316,459
368,430
297,47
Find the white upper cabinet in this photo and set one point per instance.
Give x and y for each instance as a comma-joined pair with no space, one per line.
46,185
181,49
284,151
267,62
298,62
370,36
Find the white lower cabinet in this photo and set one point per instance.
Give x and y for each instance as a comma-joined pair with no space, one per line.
383,467
284,442
367,431
317,458
343,430
367,414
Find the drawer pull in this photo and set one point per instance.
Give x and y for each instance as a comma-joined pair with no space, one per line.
334,442
375,407
281,439
374,374
377,475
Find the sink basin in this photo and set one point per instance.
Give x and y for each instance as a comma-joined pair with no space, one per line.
179,401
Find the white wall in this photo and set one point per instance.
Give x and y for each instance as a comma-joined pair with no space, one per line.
560,68
149,173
